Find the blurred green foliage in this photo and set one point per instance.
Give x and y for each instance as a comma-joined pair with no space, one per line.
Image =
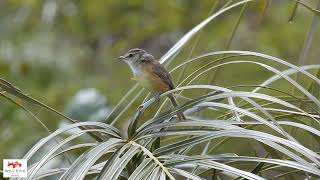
53,48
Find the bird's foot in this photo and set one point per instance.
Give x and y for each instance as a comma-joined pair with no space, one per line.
144,106
157,97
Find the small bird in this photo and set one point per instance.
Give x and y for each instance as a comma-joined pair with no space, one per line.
150,74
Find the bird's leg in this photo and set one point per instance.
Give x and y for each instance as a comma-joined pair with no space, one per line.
157,96
145,105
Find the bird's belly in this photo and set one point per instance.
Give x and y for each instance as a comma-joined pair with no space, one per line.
152,83
146,82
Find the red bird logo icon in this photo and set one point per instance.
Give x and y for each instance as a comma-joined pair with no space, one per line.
14,164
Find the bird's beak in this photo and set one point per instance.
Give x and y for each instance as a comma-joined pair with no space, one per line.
121,58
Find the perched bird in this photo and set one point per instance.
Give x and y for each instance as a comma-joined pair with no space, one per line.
150,74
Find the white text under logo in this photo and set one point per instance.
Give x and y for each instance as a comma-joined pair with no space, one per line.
14,168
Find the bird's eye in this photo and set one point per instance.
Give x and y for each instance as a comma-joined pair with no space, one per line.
130,55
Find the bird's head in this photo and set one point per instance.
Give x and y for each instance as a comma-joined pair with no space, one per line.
136,56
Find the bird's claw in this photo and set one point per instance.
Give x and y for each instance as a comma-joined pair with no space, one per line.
140,108
157,98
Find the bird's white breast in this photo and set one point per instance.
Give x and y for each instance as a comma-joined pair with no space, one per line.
141,76
135,70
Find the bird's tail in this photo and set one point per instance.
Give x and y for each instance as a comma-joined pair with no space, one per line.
175,104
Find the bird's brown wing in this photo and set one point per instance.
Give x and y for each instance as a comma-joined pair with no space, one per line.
160,71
